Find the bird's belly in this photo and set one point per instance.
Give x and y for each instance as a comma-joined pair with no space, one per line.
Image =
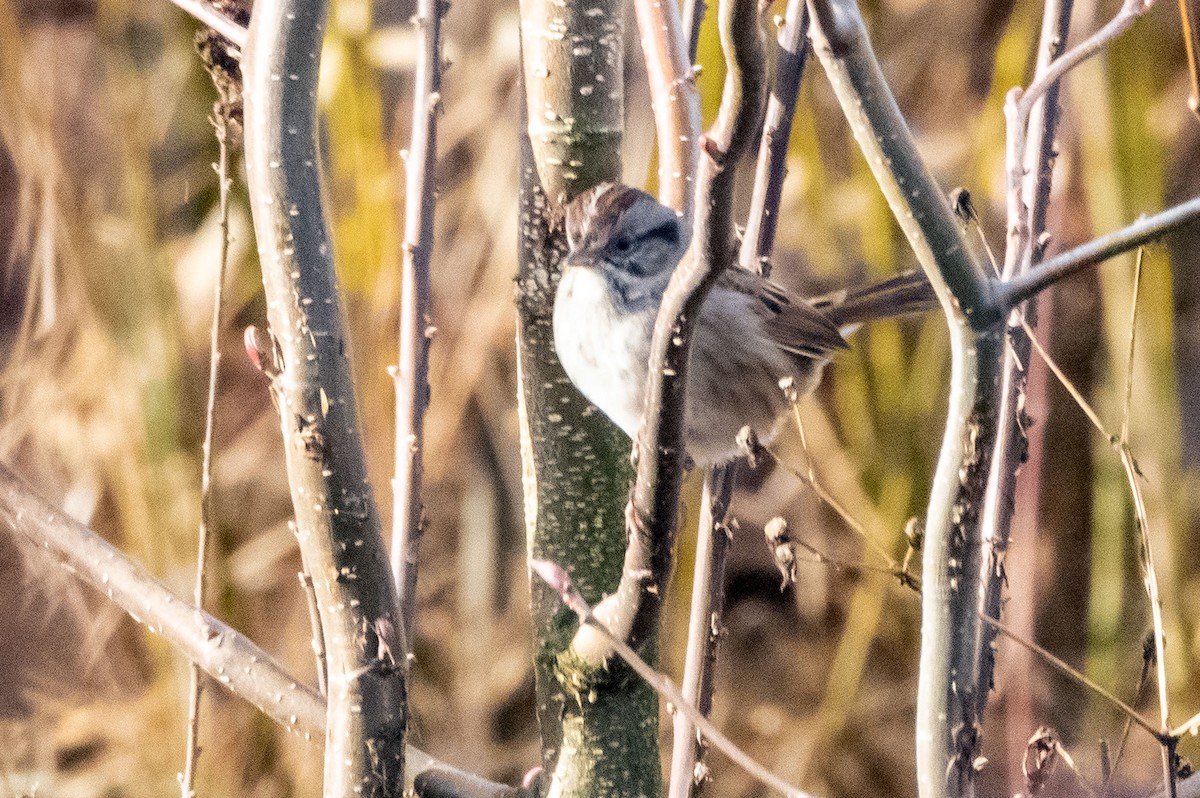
604,353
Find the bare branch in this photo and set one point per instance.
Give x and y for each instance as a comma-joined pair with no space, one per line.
411,376
1036,163
759,238
676,103
918,203
339,531
1143,231
952,689
1020,104
224,653
207,14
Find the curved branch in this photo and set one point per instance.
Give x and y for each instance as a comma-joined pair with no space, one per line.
336,518
951,688
652,517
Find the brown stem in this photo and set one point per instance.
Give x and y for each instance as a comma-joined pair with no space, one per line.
187,781
412,374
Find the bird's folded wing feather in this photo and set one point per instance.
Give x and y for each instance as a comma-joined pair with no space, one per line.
794,324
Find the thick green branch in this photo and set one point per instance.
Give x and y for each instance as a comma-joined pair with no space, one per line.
950,680
919,204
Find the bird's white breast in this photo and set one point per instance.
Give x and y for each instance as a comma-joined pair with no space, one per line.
603,352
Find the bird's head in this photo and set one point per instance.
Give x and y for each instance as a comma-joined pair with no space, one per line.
625,234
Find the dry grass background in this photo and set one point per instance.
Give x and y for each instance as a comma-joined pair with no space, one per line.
108,242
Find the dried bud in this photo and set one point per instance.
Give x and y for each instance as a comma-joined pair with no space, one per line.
790,391
780,543
747,443
914,532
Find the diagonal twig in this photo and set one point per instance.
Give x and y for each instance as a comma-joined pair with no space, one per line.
558,579
209,15
226,655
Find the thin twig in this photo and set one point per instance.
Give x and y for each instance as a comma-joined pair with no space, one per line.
318,636
676,103
558,579
1076,676
771,169
1143,231
810,478
187,779
893,569
1149,575
210,16
693,17
411,376
1189,15
708,593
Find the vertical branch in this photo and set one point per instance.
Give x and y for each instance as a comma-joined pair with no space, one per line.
412,374
693,17
951,688
599,728
759,238
1033,199
704,627
187,780
337,522
676,102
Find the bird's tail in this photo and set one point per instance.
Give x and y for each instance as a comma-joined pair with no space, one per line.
903,294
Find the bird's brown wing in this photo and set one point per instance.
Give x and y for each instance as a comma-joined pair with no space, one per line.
795,325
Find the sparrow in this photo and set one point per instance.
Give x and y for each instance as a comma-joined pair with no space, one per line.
751,335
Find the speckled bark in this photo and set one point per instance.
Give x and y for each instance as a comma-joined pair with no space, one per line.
338,524
571,56
600,735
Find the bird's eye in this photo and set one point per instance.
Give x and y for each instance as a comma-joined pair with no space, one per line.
623,244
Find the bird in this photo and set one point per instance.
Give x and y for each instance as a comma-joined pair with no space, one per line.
752,338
